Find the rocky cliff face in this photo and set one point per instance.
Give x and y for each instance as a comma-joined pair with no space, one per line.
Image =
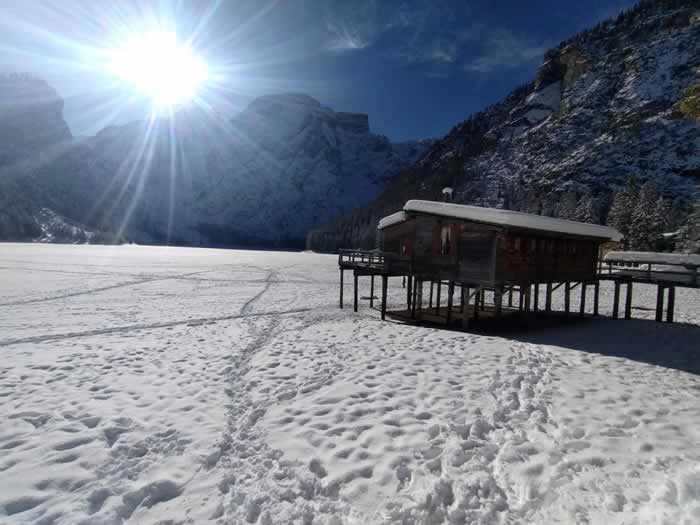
31,119
616,101
32,132
283,166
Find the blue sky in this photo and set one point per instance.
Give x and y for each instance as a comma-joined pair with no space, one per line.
417,67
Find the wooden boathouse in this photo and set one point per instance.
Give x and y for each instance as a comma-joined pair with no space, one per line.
475,250
508,254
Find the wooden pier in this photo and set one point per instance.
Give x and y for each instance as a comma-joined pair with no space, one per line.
465,253
466,302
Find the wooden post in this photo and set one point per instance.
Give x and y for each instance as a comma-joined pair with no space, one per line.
660,303
616,300
414,298
371,291
498,301
384,287
341,287
548,298
528,292
408,292
477,296
536,298
430,301
482,301
450,300
354,303
461,298
465,312
567,297
582,310
510,296
628,302
420,299
521,298
671,303
596,297
437,299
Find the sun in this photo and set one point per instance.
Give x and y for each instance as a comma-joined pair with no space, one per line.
157,66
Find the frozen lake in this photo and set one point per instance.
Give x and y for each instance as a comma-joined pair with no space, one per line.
148,384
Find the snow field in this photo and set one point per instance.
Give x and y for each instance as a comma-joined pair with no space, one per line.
143,385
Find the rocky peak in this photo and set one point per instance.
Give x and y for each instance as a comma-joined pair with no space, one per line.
31,119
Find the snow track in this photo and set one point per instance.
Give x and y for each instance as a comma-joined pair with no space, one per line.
227,387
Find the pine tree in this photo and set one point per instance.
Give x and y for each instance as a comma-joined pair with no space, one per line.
585,210
567,206
645,228
623,206
689,237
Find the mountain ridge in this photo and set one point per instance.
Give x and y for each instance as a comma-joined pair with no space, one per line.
283,165
610,103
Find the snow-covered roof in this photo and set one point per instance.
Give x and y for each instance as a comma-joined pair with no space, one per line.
503,218
392,219
684,259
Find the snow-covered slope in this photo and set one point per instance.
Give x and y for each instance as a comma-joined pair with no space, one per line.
615,101
281,167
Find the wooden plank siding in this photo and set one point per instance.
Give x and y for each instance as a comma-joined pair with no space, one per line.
528,257
487,255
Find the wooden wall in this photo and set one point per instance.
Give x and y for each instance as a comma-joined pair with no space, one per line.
532,257
487,255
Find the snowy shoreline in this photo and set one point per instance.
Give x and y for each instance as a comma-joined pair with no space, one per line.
226,386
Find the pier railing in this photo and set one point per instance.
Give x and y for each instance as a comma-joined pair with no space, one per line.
363,259
653,273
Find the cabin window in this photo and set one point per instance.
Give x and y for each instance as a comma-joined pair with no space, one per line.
445,240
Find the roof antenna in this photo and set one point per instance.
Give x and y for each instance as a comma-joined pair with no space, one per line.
447,194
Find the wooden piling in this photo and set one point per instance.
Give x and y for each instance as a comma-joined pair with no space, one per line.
419,300
498,301
582,309
430,301
660,303
465,312
510,296
354,302
527,298
616,300
548,298
384,287
371,291
482,301
521,298
596,297
567,297
450,300
437,299
408,292
628,302
671,303
536,298
341,287
477,296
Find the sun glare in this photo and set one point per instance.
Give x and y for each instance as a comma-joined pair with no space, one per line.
156,66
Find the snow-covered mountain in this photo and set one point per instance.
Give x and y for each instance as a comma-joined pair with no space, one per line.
283,166
620,100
